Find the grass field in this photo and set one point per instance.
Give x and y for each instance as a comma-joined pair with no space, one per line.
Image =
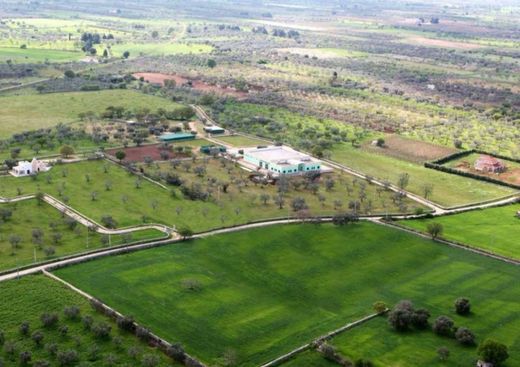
128,204
26,299
28,215
266,291
309,358
21,113
496,229
37,55
157,49
241,141
448,189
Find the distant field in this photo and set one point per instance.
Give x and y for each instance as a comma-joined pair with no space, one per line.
496,229
448,189
241,141
20,113
28,216
27,298
34,55
265,291
154,49
324,53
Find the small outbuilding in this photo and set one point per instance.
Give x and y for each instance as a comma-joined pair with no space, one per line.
26,168
488,164
214,129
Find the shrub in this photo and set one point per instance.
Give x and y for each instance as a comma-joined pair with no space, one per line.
400,318
72,313
143,334
443,353
52,349
420,318
108,221
24,328
93,353
102,330
25,358
37,338
462,306
67,358
126,323
493,352
150,360
443,326
87,322
176,352
465,336
49,319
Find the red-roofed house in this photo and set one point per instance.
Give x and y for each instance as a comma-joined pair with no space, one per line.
489,164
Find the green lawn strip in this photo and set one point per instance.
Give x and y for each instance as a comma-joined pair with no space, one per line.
27,216
241,141
29,112
448,189
266,291
127,204
495,229
309,358
36,55
27,298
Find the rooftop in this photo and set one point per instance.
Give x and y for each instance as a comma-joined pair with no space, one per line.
279,155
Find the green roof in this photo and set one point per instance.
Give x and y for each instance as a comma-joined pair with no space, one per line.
176,136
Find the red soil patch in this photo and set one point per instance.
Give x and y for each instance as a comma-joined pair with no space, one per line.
159,78
137,154
511,175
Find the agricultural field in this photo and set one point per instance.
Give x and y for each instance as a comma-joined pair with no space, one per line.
25,300
496,229
241,140
22,113
35,56
259,293
159,49
511,174
448,189
33,232
101,188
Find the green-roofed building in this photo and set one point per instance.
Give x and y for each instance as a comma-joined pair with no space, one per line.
177,137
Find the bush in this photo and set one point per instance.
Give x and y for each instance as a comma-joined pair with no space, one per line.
25,358
87,322
37,338
24,328
443,326
108,221
143,334
72,313
126,323
52,349
176,352
493,352
150,360
102,330
462,306
67,358
465,336
400,318
420,318
49,319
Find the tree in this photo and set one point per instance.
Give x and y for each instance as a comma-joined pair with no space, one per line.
420,318
155,34
403,181
185,232
465,336
427,190
491,351
69,74
66,151
379,307
37,338
443,353
49,319
126,54
434,229
462,306
102,330
25,328
25,358
120,155
264,198
380,142
67,358
298,203
443,326
400,318
212,63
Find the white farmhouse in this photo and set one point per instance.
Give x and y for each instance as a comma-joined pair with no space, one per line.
26,168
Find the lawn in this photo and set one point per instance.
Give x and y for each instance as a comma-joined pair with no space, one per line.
495,229
37,55
265,291
241,141
26,299
131,204
28,216
309,358
29,112
448,190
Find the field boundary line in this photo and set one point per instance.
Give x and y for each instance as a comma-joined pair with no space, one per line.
108,311
320,340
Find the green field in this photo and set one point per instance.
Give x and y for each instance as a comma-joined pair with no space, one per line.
496,229
29,112
157,49
128,203
309,358
26,299
241,141
266,291
27,216
448,190
37,55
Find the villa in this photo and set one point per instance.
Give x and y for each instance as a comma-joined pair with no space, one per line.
281,160
26,168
